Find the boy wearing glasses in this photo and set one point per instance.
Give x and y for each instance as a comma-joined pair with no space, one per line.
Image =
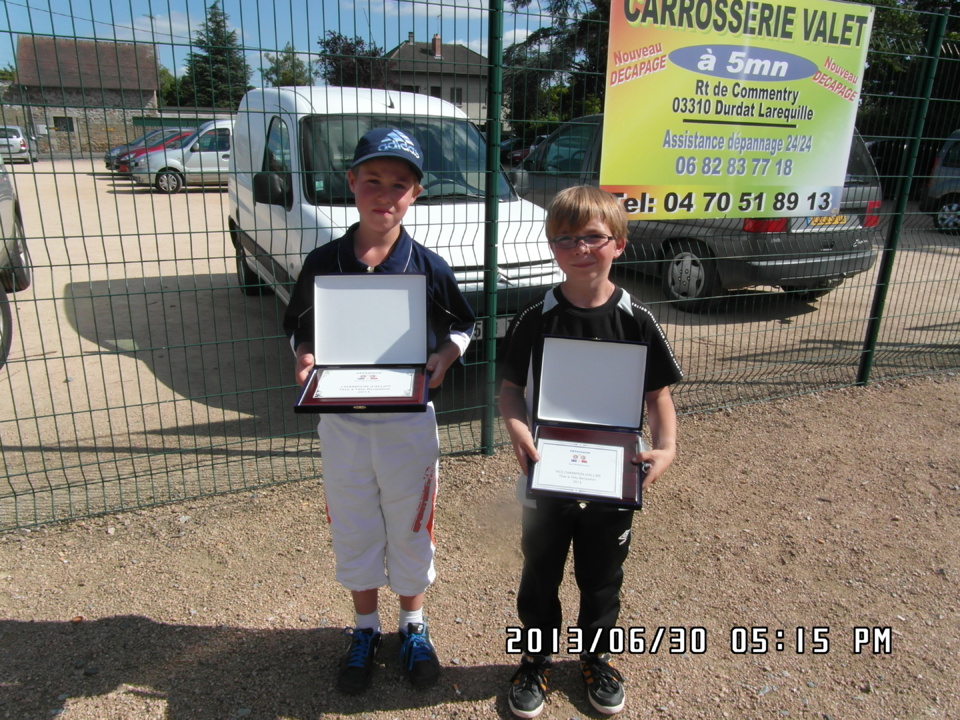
587,230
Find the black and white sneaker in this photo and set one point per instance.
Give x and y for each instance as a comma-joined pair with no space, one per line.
417,657
604,683
528,686
356,667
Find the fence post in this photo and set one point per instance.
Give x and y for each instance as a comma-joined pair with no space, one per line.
490,262
934,43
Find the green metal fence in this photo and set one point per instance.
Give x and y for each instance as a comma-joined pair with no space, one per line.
139,372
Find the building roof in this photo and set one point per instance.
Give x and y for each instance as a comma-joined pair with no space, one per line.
89,64
421,57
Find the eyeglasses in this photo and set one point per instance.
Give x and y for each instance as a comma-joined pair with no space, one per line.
569,242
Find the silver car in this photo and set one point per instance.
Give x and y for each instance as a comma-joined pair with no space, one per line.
15,268
17,144
149,139
202,158
697,260
941,196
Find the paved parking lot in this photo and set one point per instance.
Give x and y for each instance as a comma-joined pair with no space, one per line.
136,356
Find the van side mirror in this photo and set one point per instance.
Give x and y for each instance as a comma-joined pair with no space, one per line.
519,180
270,188
195,147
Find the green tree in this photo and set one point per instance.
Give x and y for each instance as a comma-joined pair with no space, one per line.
571,54
167,92
287,68
570,51
351,63
897,66
8,74
217,74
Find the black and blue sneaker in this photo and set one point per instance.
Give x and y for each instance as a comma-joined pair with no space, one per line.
356,667
418,659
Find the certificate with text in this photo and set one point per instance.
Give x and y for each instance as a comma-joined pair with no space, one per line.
578,468
365,383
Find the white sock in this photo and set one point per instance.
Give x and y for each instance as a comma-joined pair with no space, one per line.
371,621
410,616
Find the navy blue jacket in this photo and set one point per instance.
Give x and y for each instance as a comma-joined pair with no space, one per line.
448,310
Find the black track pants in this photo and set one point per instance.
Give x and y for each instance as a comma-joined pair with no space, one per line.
600,535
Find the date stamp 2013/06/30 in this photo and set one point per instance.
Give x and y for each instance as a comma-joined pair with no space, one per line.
679,640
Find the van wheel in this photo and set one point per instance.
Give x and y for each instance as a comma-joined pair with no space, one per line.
20,273
169,181
689,275
6,327
250,282
947,217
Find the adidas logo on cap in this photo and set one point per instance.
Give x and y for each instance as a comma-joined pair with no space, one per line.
389,142
396,140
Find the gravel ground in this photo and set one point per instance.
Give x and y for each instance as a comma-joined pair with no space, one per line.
830,518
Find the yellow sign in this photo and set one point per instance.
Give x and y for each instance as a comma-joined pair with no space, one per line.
720,108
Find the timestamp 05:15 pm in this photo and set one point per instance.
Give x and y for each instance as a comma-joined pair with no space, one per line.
679,640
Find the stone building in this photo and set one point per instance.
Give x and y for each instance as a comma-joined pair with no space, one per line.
446,71
81,96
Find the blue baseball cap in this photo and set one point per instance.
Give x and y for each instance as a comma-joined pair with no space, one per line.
389,142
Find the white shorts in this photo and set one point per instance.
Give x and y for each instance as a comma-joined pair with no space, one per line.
380,480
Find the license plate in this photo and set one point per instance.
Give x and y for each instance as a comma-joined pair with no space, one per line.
828,220
501,328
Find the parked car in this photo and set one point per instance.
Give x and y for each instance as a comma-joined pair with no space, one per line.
941,196
288,189
16,272
520,153
17,144
153,137
507,148
203,158
699,259
890,155
171,142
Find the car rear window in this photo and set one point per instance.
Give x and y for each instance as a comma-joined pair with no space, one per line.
860,166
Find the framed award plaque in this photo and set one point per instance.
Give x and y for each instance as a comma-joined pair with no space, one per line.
588,413
370,345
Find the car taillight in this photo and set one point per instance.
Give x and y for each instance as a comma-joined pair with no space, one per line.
872,218
768,225
23,144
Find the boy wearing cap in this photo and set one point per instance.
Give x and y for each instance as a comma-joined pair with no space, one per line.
380,469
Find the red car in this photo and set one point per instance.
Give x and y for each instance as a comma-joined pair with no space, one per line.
518,155
124,161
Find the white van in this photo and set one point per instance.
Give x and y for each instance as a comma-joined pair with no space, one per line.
288,188
201,158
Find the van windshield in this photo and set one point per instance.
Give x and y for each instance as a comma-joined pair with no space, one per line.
454,156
